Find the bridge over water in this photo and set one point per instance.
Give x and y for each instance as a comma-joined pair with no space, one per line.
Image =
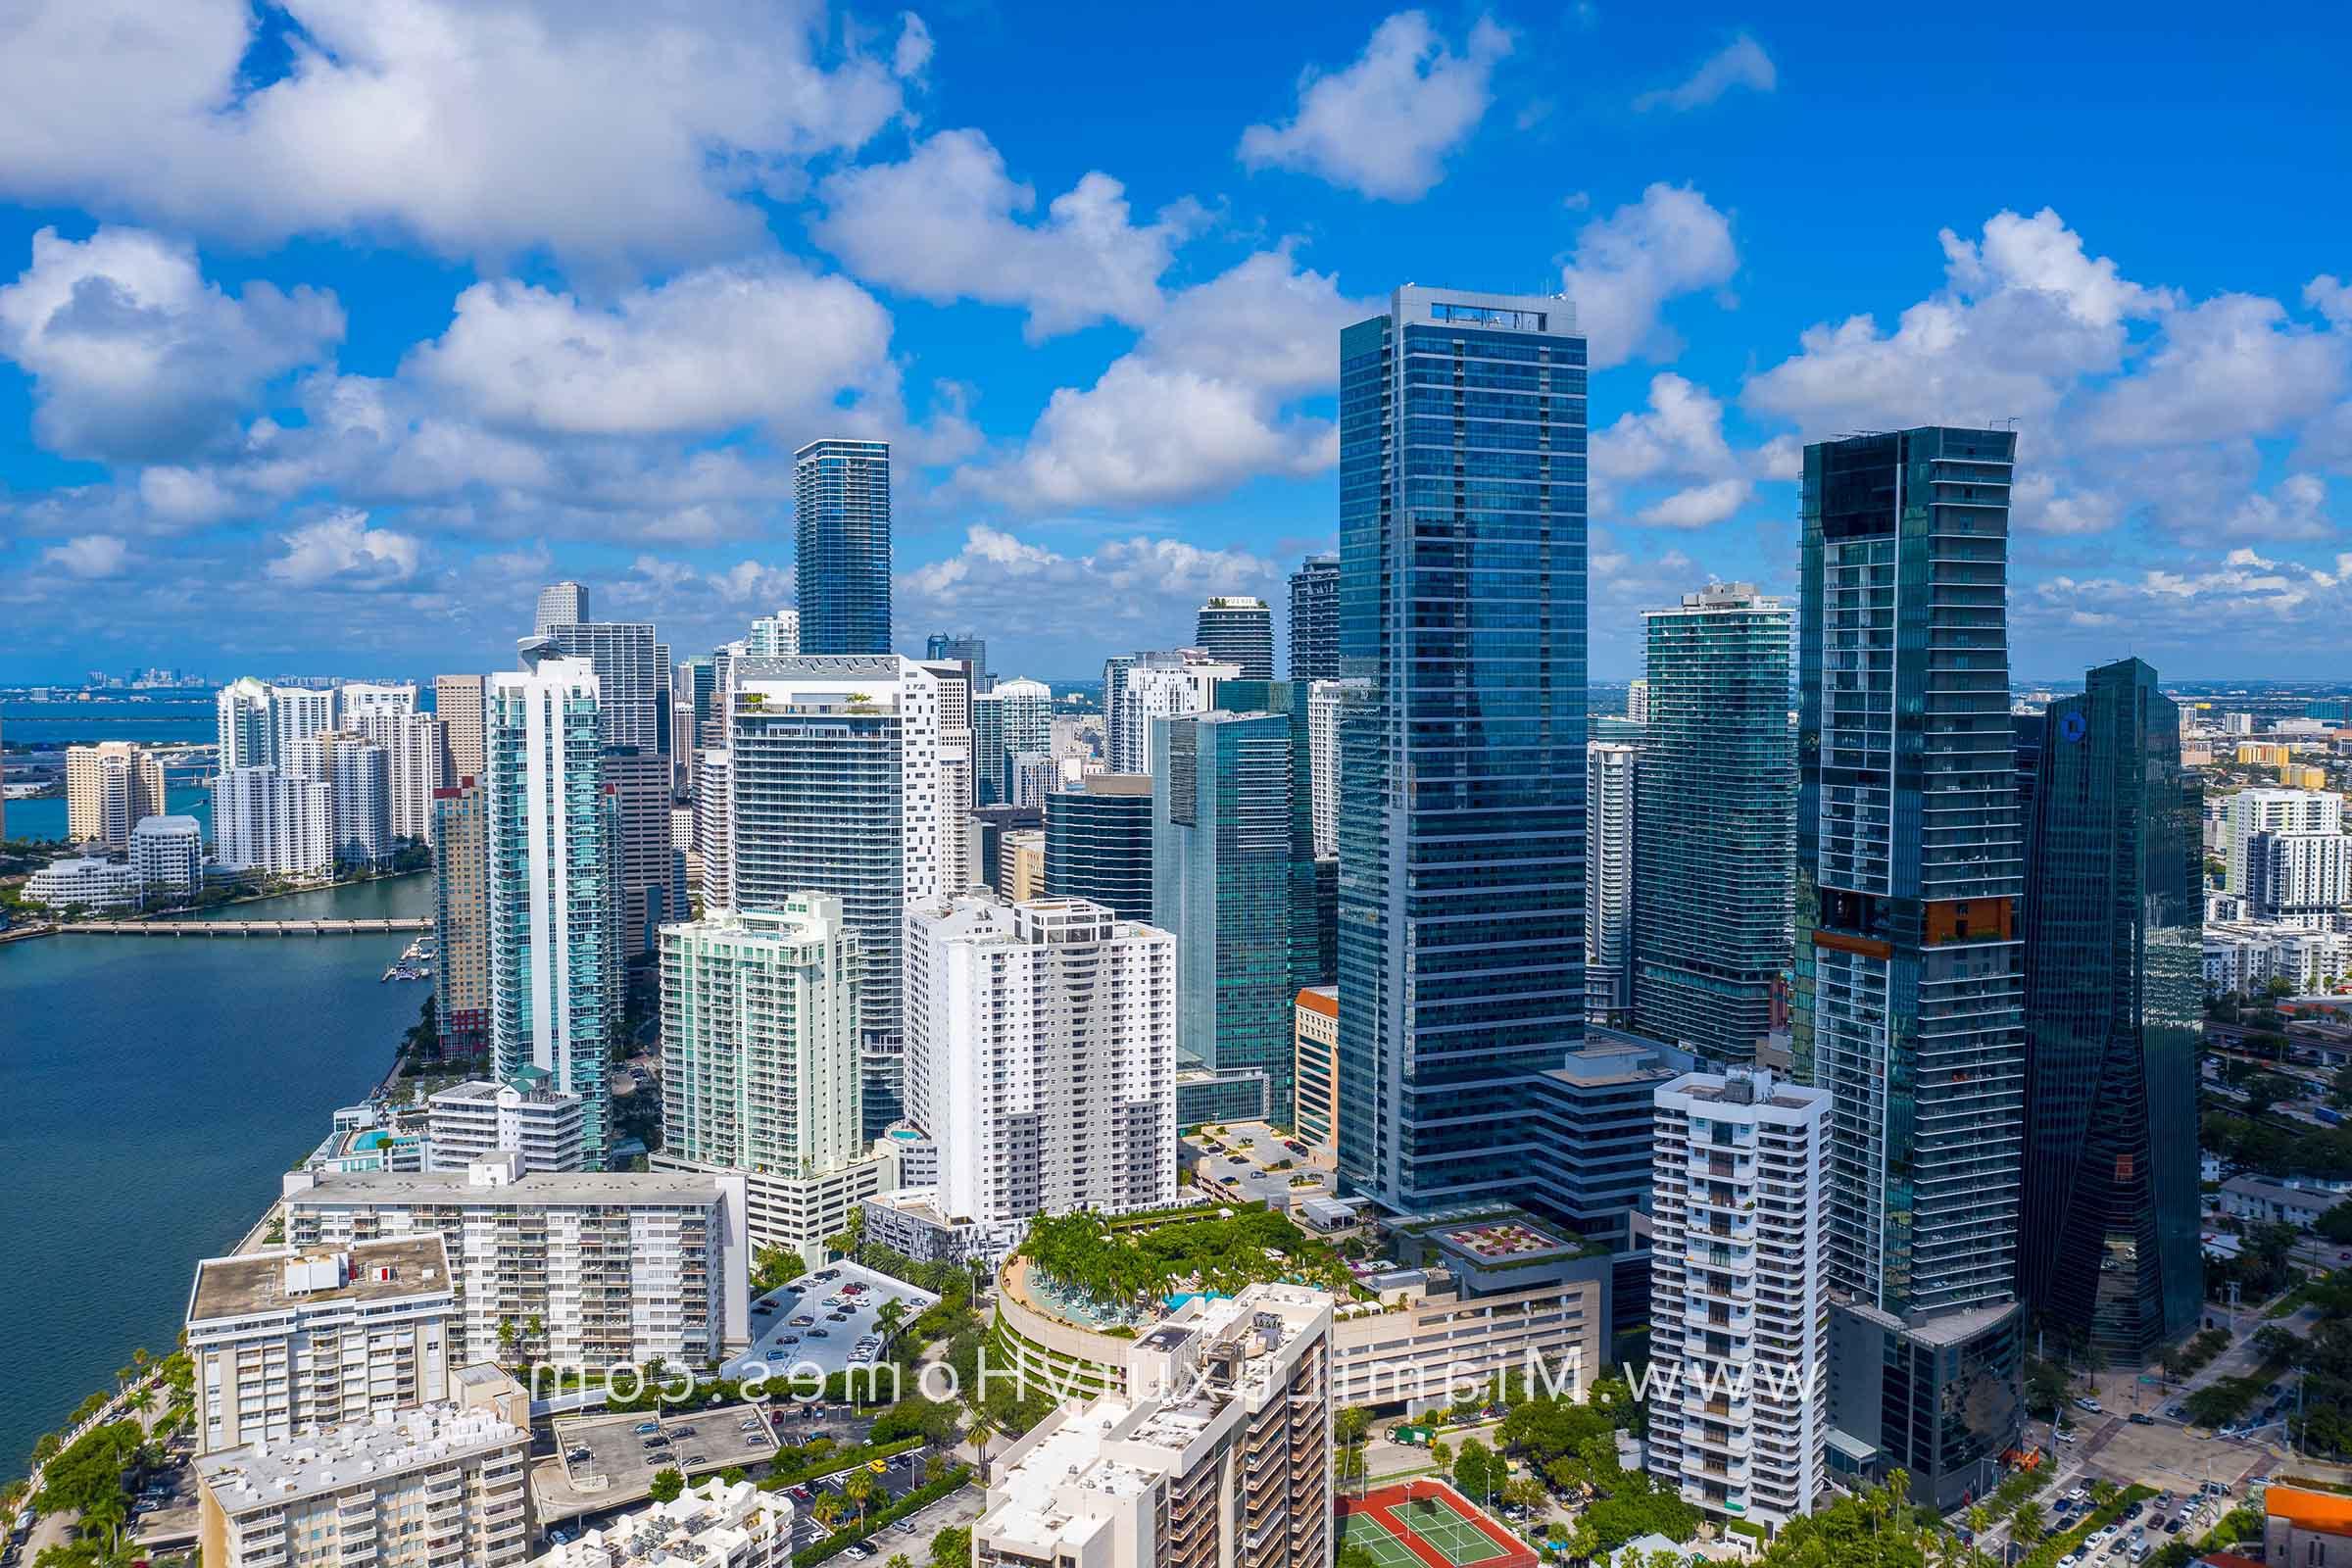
250,928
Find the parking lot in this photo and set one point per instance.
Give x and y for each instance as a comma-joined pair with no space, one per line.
821,1320
602,1461
900,1475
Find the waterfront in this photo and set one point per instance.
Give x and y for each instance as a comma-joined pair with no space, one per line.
154,1093
45,816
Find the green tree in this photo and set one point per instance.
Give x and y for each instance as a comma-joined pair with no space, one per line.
2025,1525
951,1547
1357,1557
889,1315
857,1486
984,1426
666,1483
1474,1471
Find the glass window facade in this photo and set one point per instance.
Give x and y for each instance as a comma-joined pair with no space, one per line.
1715,844
1098,843
1909,974
841,506
2114,1018
1462,817
1232,875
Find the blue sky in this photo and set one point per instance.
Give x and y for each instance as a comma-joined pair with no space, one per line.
329,331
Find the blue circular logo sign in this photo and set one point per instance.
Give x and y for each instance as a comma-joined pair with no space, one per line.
2073,727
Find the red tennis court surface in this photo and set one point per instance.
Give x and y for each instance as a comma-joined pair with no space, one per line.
1426,1524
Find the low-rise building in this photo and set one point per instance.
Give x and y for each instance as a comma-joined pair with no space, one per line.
289,1340
2243,956
2261,1202
526,1116
610,1266
444,1485
2302,1528
167,854
713,1524
84,882
910,1222
1218,1452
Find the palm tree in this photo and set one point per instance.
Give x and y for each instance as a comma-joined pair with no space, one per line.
899,1560
889,1315
984,1427
2025,1525
857,1488
827,1509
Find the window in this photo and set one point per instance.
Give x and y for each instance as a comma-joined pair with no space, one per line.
1484,315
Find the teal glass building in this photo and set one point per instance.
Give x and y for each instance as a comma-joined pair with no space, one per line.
2115,996
841,507
1714,839
1462,788
1908,1000
555,894
1233,876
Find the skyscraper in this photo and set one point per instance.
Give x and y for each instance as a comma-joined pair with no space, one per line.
2114,1019
969,648
258,723
1240,631
834,768
1232,877
760,1039
357,699
1610,833
1012,719
628,675
777,636
111,787
462,918
841,502
358,773
1737,1423
1140,688
1909,977
1315,620
554,885
1712,870
416,747
1462,820
1098,842
1328,703
457,705
1072,1005
561,604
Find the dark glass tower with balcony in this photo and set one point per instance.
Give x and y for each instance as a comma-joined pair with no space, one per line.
1909,969
2114,1017
1098,842
1315,620
1463,818
841,504
1712,842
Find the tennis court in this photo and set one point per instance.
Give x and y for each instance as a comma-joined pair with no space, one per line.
1426,1524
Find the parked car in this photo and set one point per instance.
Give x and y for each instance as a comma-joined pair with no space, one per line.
2140,1418
643,1427
2087,1404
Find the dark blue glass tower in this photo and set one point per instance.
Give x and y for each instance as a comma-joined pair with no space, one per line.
1463,818
1909,991
2114,1016
841,503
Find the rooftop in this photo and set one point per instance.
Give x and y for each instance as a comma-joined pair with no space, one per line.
267,1474
712,1523
647,1189
288,1278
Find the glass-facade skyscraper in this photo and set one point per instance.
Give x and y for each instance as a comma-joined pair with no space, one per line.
555,899
841,506
1240,631
1315,620
1098,842
1462,783
1232,875
1909,971
1712,857
2114,1019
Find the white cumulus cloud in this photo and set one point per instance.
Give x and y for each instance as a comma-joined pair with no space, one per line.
91,555
1386,125
133,355
949,222
342,551
1624,266
614,135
